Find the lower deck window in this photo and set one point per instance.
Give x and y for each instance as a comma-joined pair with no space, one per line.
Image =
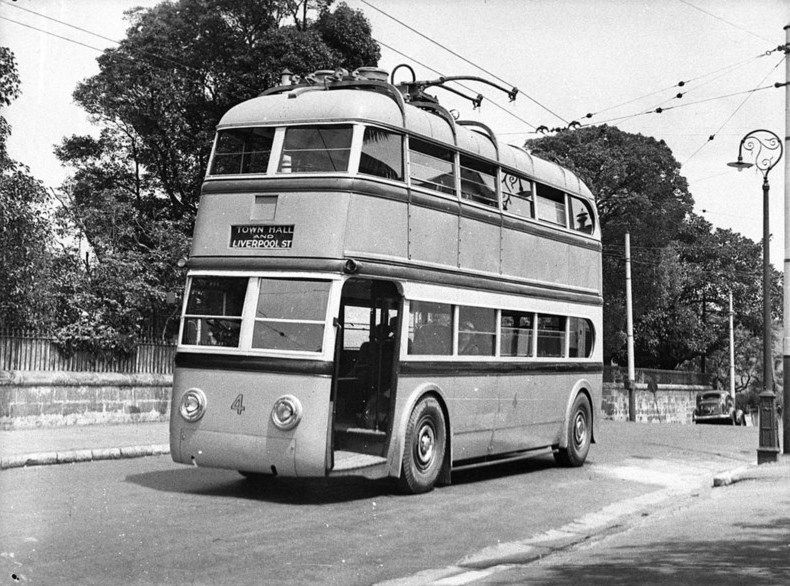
516,337
213,313
476,331
551,336
580,337
290,315
431,328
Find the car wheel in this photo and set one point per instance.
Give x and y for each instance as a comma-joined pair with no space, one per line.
425,445
579,434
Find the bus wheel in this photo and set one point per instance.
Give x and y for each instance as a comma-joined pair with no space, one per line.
579,431
423,455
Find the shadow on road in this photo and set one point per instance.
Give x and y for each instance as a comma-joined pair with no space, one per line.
763,559
226,483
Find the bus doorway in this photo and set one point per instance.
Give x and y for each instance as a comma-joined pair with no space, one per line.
366,365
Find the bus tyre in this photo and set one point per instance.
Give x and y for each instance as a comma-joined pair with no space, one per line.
579,431
423,454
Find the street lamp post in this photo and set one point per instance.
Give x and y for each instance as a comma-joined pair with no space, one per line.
766,149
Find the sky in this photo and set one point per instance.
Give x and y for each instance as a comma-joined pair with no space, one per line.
614,58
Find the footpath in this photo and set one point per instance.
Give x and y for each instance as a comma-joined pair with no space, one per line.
82,443
735,534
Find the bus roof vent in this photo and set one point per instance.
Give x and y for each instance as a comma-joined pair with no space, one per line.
372,73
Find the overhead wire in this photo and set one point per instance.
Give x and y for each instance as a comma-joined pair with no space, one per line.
737,109
464,59
147,63
681,84
719,18
402,54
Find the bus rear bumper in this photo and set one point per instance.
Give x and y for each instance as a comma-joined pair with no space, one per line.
247,453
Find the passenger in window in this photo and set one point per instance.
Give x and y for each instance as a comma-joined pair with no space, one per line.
469,341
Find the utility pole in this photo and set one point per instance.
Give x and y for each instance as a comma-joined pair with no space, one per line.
732,352
786,304
629,310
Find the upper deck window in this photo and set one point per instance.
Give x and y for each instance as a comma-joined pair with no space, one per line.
517,195
382,154
581,215
432,167
213,313
478,181
316,149
550,205
242,150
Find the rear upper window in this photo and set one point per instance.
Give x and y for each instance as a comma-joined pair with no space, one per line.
550,205
581,215
242,150
316,149
478,181
432,166
516,194
382,154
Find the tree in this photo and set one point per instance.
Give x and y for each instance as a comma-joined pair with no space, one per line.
682,269
184,64
157,99
26,237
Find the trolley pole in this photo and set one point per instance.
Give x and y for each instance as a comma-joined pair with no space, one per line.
732,351
786,303
629,310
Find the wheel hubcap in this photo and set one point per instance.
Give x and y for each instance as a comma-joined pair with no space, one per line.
425,447
580,430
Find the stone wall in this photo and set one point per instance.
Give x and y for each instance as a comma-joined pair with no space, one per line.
36,398
669,403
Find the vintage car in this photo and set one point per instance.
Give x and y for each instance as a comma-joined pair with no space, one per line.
717,407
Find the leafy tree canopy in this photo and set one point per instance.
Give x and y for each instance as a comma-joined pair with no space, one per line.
682,269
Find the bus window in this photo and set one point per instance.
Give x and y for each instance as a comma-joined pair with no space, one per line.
516,195
382,154
516,328
430,328
290,315
242,150
432,166
478,181
476,331
213,314
551,336
580,341
315,149
550,205
581,215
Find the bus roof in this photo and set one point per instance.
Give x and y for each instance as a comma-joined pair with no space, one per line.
341,105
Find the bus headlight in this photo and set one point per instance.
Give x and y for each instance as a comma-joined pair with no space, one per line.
193,405
287,412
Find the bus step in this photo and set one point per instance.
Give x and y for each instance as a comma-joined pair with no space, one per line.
356,464
366,441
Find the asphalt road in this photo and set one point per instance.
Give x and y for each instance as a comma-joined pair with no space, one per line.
149,520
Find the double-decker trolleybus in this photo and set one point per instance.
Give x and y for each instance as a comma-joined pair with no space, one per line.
377,289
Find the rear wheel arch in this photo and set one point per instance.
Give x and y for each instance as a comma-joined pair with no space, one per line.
582,387
395,456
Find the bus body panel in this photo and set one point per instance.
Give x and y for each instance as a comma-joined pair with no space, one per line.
385,223
479,242
547,260
433,234
318,220
232,424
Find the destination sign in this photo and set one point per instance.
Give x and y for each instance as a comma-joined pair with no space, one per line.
262,236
